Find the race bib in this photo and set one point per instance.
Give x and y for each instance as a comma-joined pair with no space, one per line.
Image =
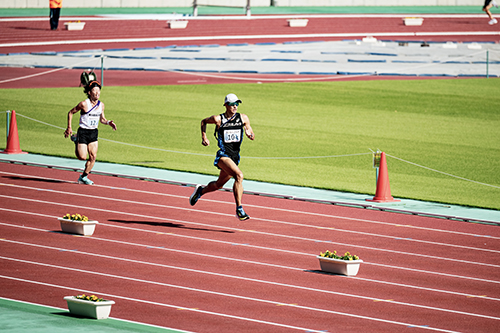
94,121
232,135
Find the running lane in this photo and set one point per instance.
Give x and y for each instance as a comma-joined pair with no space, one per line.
33,35
20,35
200,269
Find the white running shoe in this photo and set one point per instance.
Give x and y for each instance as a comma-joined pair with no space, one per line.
494,21
494,3
85,180
196,195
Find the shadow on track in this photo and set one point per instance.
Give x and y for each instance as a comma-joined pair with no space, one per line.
167,225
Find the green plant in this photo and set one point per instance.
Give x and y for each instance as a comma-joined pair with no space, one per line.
76,217
91,298
346,256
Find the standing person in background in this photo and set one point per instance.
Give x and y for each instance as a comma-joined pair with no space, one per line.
55,11
229,127
486,8
91,113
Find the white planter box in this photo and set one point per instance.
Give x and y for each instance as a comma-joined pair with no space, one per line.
298,22
338,266
177,24
78,227
84,308
369,39
450,45
74,25
413,20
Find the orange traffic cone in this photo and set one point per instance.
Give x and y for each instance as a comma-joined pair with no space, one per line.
383,193
13,138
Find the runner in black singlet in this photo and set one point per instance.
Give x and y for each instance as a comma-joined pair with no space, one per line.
229,136
229,130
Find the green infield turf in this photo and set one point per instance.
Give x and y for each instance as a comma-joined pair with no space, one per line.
441,136
270,10
17,316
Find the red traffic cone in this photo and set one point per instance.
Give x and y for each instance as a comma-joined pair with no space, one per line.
13,138
383,193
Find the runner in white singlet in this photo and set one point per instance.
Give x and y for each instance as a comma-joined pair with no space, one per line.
91,114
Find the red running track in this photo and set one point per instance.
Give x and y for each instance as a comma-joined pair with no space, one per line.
33,35
200,269
105,33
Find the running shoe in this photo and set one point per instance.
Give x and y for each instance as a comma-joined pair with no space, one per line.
240,213
494,3
196,195
494,21
73,138
85,180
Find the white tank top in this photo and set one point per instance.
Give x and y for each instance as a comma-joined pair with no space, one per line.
90,119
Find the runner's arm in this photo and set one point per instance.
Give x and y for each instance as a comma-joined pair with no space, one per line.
71,112
209,120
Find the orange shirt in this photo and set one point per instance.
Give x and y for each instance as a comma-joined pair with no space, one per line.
55,3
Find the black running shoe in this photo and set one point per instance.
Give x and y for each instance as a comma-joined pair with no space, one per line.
196,195
240,213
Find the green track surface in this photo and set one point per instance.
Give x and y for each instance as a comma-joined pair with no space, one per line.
205,10
27,317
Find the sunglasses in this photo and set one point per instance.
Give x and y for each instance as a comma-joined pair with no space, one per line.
233,104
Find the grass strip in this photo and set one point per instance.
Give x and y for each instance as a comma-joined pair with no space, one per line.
316,134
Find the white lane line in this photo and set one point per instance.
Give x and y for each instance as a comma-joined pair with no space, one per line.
237,229
275,221
230,259
266,208
248,37
155,17
121,213
251,246
155,303
269,208
115,318
461,313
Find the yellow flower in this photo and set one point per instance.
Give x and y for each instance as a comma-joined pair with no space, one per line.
76,217
347,255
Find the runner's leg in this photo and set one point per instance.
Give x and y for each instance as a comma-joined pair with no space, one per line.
230,168
92,151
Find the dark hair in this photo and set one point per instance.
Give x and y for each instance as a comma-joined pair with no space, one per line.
91,85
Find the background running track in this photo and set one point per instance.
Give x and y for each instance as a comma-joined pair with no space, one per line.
200,269
20,35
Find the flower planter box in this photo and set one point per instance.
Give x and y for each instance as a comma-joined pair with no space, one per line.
298,22
89,309
74,25
413,21
339,266
85,228
177,24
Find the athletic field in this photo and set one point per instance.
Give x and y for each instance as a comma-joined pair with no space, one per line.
199,269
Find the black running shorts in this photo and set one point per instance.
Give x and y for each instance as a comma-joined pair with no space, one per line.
86,136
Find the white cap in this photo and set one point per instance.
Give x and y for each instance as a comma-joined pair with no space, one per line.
231,98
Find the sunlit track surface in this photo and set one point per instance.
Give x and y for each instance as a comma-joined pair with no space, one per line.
201,269
23,37
125,29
